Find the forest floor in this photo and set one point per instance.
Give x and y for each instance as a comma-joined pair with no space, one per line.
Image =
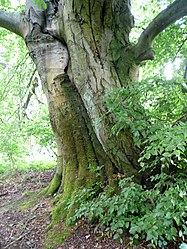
24,218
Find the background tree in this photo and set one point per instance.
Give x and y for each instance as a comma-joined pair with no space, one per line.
22,139
82,50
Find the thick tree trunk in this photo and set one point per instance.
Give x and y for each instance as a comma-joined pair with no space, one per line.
79,150
77,67
102,59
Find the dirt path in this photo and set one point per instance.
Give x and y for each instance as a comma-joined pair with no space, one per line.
22,223
24,219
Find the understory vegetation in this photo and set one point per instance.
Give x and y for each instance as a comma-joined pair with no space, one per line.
154,210
157,215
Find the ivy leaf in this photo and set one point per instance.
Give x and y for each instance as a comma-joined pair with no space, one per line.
116,236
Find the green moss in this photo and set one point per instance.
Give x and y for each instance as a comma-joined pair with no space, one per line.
27,204
55,239
56,199
79,153
59,212
27,193
54,185
48,228
63,211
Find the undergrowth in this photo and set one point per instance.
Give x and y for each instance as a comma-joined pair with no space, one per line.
154,211
31,165
157,216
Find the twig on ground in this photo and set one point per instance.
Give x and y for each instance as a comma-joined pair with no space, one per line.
19,238
3,194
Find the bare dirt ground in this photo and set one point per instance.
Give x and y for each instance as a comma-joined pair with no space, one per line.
24,219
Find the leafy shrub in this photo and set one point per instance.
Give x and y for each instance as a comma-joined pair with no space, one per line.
166,146
144,214
155,112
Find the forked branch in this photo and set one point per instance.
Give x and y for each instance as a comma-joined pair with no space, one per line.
171,14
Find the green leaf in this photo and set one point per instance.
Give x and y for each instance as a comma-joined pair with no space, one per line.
147,156
127,225
40,4
120,231
116,236
149,236
3,2
136,236
44,5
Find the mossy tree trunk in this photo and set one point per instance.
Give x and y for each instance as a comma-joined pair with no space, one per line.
81,50
79,150
101,59
77,68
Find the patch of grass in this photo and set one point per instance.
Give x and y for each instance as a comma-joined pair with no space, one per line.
6,169
37,165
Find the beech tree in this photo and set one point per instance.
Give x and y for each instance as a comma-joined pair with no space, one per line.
82,51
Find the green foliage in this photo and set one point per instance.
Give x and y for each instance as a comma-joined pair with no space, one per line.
25,124
37,165
159,218
6,168
41,4
155,111
40,128
5,2
167,147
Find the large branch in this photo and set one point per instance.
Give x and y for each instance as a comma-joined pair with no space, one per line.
171,14
13,22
